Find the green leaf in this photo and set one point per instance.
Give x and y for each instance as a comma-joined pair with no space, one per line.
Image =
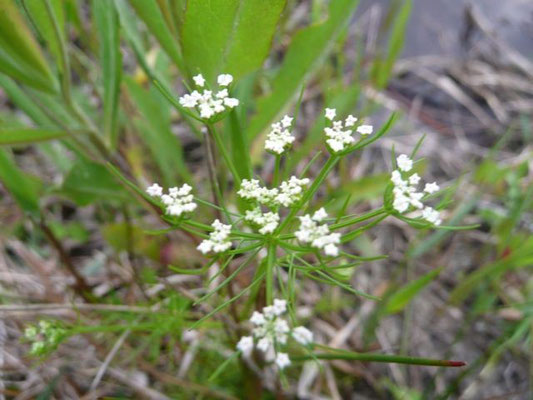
23,101
154,126
382,68
20,56
337,354
88,182
520,258
14,136
21,187
37,11
106,18
151,14
228,36
404,295
306,52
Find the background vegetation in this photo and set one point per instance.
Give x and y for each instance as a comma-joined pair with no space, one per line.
86,86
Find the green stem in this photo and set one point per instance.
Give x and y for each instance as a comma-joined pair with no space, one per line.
275,177
328,166
361,218
271,263
222,148
383,358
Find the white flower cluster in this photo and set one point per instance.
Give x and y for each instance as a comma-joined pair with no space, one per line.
207,103
267,222
280,138
218,241
338,137
44,336
318,235
405,193
178,201
288,193
270,331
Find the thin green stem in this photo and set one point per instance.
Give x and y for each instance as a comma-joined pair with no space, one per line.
275,177
383,358
328,166
361,218
271,263
225,155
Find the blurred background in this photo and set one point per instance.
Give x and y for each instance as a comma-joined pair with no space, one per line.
461,74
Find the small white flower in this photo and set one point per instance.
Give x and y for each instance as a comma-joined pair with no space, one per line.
320,215
188,101
331,113
414,179
231,102
302,335
280,306
264,344
245,345
224,79
317,235
222,94
257,318
404,163
286,121
199,80
431,188
431,215
218,241
365,129
279,138
338,138
282,360
155,190
350,121
401,203
267,222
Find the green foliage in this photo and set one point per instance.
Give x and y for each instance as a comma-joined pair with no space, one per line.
228,36
107,25
401,297
20,56
305,54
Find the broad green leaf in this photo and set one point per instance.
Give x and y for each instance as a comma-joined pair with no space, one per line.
306,52
21,187
154,126
39,15
88,182
151,14
23,101
20,56
405,294
14,136
131,237
106,18
228,36
382,68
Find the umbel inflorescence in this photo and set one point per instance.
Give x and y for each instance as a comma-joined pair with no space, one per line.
271,333
279,216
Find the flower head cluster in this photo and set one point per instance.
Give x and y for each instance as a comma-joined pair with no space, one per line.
208,103
44,337
267,222
406,194
178,201
288,193
280,138
317,235
218,241
270,331
338,136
